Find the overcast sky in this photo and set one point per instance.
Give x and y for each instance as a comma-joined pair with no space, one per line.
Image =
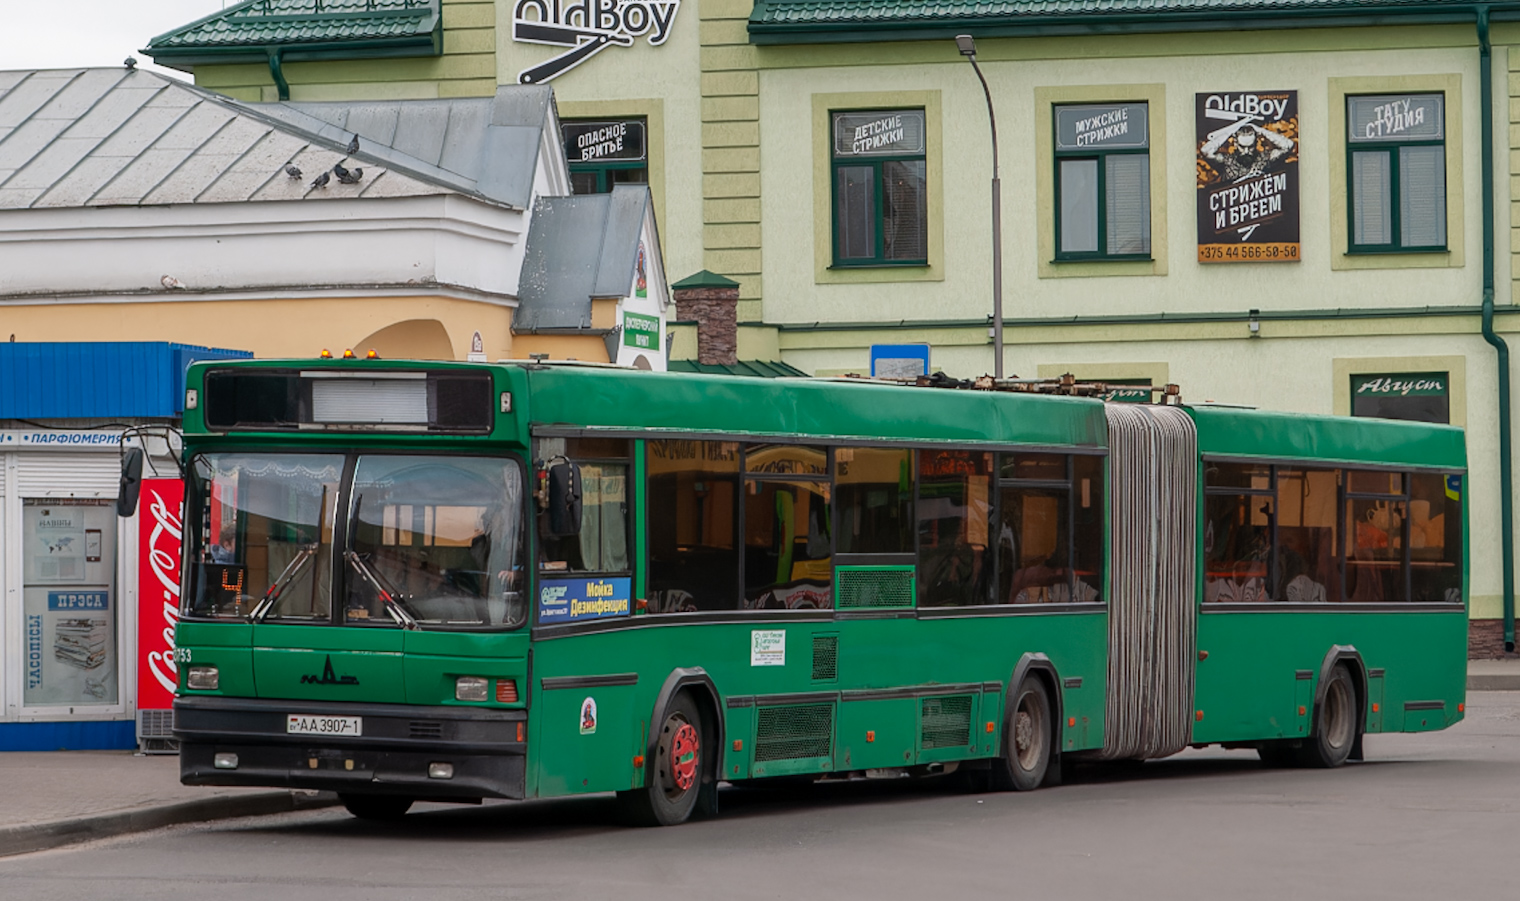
61,34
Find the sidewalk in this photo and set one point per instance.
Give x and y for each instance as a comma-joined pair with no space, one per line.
1494,675
59,798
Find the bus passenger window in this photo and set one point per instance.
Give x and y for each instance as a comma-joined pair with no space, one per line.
875,488
1237,532
1435,536
1033,558
1307,571
1376,511
692,498
602,545
1089,510
954,518
788,545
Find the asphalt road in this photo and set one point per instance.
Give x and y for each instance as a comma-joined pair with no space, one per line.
1426,816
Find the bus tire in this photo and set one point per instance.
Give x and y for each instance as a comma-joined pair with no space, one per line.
1026,742
380,808
675,776
1335,723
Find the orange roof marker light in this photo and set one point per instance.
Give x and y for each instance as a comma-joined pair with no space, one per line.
371,355
325,354
348,354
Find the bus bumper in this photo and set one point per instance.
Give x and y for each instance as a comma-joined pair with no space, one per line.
398,746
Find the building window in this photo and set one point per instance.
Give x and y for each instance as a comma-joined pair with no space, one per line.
1103,182
605,152
1396,160
1414,396
881,207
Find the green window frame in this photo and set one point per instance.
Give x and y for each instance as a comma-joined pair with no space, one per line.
625,159
879,188
1102,181
1396,173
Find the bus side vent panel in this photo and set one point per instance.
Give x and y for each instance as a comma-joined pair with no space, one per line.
794,732
825,658
945,722
873,587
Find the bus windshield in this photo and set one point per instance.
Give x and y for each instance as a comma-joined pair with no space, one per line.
426,540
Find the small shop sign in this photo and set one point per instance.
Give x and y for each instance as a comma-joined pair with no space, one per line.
641,332
890,133
619,140
1247,177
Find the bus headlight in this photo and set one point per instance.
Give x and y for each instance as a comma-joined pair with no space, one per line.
471,688
202,678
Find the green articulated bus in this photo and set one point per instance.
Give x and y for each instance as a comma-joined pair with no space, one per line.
433,581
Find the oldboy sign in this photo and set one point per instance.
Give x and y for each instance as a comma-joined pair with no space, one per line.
586,28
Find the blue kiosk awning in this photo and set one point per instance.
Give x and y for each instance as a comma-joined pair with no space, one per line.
94,380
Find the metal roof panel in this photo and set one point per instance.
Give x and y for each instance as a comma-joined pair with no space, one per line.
28,95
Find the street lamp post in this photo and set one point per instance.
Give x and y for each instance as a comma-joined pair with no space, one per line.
967,45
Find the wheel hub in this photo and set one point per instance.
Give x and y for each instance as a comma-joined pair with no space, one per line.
685,751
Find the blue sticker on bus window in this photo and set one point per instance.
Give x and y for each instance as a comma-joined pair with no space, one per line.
79,600
576,600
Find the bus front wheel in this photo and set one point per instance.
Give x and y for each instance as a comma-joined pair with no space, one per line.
675,778
1026,744
1335,722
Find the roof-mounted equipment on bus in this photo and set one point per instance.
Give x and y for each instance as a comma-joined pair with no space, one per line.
1065,386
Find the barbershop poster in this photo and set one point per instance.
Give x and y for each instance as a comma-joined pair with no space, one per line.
1248,177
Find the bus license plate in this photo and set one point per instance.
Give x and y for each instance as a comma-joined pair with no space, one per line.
307,724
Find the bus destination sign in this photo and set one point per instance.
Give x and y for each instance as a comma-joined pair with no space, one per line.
577,600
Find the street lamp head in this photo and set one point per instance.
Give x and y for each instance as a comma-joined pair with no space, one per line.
967,44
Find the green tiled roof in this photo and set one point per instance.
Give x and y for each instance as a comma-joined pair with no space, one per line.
785,21
754,368
256,26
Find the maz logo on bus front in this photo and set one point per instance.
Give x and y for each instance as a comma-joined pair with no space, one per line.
328,677
587,27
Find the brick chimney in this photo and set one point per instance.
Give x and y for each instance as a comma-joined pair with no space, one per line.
711,301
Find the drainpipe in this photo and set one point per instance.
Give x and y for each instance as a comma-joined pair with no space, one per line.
283,86
1506,482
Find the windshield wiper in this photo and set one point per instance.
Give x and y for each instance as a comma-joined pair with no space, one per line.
267,602
392,606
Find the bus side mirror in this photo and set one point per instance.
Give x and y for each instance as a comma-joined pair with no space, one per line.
131,482
564,501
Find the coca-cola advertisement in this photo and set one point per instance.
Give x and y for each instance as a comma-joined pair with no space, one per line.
160,534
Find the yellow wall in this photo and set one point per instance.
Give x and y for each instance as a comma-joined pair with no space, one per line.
467,68
271,328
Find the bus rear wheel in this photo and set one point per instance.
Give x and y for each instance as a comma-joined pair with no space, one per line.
675,779
1335,723
376,807
1027,743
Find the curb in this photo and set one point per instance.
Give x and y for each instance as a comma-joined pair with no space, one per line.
57,834
1494,682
